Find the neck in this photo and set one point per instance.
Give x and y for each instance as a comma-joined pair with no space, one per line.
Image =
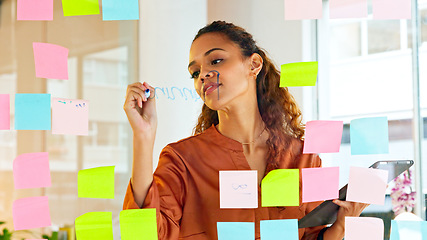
243,125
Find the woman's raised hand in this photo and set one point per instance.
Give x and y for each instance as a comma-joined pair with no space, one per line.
140,110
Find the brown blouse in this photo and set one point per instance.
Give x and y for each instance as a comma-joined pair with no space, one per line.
185,189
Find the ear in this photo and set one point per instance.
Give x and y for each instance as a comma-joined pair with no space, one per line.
256,63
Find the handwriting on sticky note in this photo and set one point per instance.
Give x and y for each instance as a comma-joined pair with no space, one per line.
70,116
280,188
298,10
4,111
367,185
367,228
238,189
31,170
32,212
369,136
276,229
51,61
94,226
391,9
32,111
120,10
323,136
348,8
96,182
135,223
32,10
298,74
80,7
236,230
319,184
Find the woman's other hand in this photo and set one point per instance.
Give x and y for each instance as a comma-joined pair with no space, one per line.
140,110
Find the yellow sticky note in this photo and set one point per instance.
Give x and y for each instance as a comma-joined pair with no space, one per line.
280,188
95,226
96,182
298,74
135,223
80,7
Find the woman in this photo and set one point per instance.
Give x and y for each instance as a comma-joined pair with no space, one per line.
247,123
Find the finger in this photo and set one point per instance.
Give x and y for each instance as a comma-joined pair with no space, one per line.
343,204
134,97
140,92
135,84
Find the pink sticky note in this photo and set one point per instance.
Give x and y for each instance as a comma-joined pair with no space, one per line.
31,170
348,8
366,228
35,10
70,116
32,212
391,9
323,136
303,9
319,184
51,61
4,112
367,185
238,189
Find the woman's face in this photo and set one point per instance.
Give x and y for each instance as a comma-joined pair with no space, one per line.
213,53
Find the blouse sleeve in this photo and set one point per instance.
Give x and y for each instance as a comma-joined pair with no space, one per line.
166,194
312,233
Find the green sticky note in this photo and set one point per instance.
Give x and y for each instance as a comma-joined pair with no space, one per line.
135,223
298,74
280,188
94,226
80,7
96,182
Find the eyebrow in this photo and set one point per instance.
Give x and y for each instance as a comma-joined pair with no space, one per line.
206,53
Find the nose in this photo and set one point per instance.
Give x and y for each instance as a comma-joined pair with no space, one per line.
208,75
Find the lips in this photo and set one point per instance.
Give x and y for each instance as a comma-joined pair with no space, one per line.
210,87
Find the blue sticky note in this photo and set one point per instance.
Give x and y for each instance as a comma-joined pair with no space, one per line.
236,230
120,10
277,229
32,111
414,230
369,135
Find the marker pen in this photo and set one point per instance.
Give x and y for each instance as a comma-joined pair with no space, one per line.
147,93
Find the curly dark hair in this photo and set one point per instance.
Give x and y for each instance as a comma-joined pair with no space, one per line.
276,105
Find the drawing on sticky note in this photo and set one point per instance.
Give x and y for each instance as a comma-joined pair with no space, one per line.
238,189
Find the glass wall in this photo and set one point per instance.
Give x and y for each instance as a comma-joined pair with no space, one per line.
102,62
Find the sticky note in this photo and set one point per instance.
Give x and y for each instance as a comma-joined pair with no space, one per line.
120,10
391,9
348,9
369,136
80,7
35,10
96,182
323,136
94,226
366,228
135,223
70,116
32,111
303,9
319,184
236,230
31,212
4,111
238,189
51,61
367,185
280,188
31,170
277,229
298,74
413,230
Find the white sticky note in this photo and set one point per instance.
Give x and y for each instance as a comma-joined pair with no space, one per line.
238,189
367,185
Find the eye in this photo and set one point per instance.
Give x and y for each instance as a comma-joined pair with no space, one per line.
216,61
195,74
